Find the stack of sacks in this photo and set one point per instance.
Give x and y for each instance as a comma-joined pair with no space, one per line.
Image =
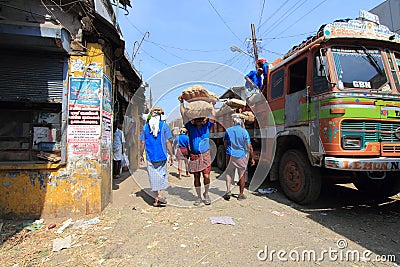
235,103
200,101
248,117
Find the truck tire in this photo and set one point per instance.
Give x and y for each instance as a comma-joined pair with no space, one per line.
379,188
221,157
299,180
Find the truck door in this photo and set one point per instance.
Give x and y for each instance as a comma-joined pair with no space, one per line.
296,100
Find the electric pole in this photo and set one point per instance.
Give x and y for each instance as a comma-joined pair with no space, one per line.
254,39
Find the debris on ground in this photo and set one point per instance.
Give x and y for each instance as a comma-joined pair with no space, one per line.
61,243
222,220
268,190
65,225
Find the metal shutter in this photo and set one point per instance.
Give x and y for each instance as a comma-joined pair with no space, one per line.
33,76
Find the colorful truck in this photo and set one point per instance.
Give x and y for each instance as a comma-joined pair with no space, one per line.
335,109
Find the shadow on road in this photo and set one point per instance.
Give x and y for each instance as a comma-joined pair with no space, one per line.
371,223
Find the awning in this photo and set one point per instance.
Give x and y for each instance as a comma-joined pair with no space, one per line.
34,36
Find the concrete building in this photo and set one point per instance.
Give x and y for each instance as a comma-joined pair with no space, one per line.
389,14
64,81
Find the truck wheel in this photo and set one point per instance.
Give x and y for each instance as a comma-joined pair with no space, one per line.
221,158
299,180
387,187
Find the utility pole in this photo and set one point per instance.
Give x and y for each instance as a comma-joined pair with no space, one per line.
150,98
254,39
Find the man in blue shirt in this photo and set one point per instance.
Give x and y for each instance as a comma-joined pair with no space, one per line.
155,138
200,157
181,143
262,63
254,79
237,143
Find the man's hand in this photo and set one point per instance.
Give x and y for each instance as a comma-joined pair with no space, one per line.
141,159
171,160
252,162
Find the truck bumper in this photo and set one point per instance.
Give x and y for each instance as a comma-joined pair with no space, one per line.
360,164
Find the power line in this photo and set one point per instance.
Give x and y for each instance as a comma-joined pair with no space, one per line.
185,49
219,15
292,9
273,13
303,16
290,36
261,14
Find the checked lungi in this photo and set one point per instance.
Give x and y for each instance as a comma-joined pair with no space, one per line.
158,176
200,162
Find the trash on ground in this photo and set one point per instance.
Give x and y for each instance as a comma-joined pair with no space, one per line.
268,190
94,220
183,246
51,226
278,213
222,220
80,224
61,243
33,227
64,226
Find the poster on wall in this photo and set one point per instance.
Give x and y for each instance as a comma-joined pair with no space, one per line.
83,132
107,95
106,132
85,91
106,137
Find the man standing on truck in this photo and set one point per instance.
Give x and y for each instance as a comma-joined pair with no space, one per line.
200,157
237,143
253,82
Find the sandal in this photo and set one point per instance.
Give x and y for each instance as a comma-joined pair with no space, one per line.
197,202
207,200
227,195
162,200
156,203
241,197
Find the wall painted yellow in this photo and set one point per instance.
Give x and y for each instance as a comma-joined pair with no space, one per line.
82,186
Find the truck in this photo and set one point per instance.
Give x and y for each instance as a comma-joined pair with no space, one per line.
333,112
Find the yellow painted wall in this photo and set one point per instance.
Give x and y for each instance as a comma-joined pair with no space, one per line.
82,186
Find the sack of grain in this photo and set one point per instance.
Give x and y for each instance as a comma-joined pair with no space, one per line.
198,92
198,109
235,103
248,117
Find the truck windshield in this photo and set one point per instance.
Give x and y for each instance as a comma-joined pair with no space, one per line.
359,68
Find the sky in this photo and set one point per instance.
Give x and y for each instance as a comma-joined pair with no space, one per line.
166,34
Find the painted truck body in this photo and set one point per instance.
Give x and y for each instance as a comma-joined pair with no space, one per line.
335,108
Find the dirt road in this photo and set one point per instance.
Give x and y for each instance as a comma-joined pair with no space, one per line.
342,228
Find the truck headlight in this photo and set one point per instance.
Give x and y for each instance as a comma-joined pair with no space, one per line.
352,142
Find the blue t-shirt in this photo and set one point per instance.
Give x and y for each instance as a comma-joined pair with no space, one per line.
257,79
199,138
237,141
156,148
265,71
182,140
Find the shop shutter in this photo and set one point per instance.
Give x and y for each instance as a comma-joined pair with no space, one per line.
34,76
